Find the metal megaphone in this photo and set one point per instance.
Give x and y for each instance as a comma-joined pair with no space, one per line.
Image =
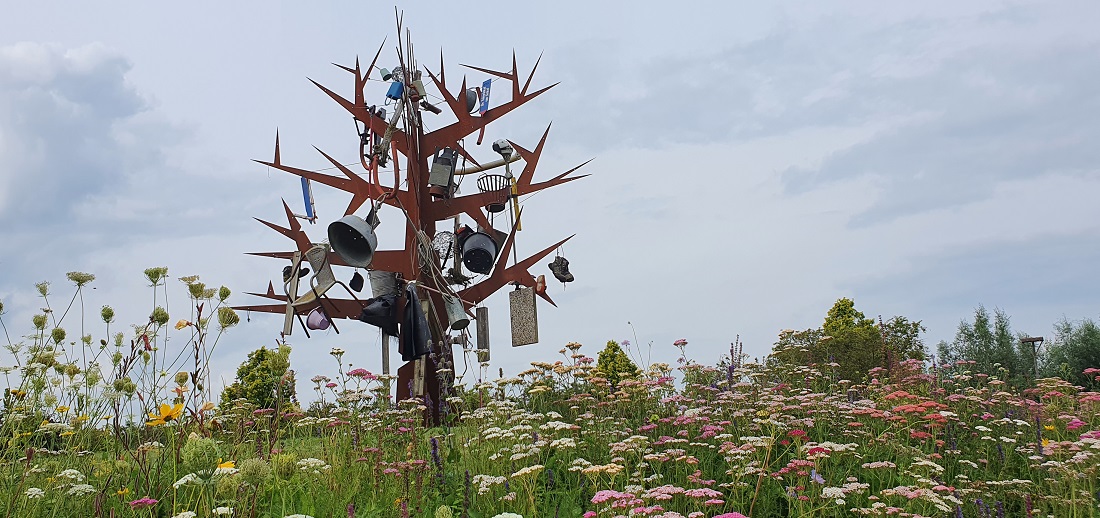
353,239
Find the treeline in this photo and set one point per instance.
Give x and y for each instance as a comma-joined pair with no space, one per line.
850,345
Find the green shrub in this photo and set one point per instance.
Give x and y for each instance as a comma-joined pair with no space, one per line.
615,365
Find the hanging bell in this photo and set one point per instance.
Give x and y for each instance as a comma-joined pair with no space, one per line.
317,320
456,314
353,239
479,251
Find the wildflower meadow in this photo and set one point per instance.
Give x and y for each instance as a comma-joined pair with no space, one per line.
98,421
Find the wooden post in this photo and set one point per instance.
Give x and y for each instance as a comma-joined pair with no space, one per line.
385,353
482,316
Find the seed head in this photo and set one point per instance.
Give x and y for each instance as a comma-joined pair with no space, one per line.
80,278
159,315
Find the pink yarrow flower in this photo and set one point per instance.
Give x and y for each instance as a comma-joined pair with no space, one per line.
143,503
361,373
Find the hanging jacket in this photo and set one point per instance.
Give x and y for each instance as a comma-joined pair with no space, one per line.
416,338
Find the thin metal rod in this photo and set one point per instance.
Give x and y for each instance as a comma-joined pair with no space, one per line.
486,166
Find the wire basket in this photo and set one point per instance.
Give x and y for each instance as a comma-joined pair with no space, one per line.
495,183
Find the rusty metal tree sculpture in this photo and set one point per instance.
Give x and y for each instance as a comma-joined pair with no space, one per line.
411,144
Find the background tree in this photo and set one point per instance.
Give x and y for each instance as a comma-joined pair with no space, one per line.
1076,347
851,340
901,339
615,365
264,379
796,348
855,343
992,346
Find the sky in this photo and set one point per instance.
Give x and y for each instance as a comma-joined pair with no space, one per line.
753,162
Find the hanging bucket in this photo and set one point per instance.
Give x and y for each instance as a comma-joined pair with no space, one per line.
382,283
317,320
395,91
455,314
479,252
499,184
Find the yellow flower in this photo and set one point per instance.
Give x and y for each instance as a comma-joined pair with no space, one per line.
62,409
182,324
81,418
167,413
227,464
18,393
107,417
67,433
1046,442
123,492
1048,427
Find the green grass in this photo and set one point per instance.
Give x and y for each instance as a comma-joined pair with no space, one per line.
556,440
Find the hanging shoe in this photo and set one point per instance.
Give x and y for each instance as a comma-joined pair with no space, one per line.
560,269
302,272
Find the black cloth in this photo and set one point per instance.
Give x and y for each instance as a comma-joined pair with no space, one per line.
415,336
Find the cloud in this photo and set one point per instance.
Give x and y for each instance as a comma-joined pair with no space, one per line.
955,102
89,183
67,120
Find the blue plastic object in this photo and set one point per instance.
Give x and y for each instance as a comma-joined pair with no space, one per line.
396,88
308,198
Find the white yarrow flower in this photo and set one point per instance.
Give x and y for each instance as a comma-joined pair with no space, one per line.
80,490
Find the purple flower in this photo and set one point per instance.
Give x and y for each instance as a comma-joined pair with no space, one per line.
142,503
